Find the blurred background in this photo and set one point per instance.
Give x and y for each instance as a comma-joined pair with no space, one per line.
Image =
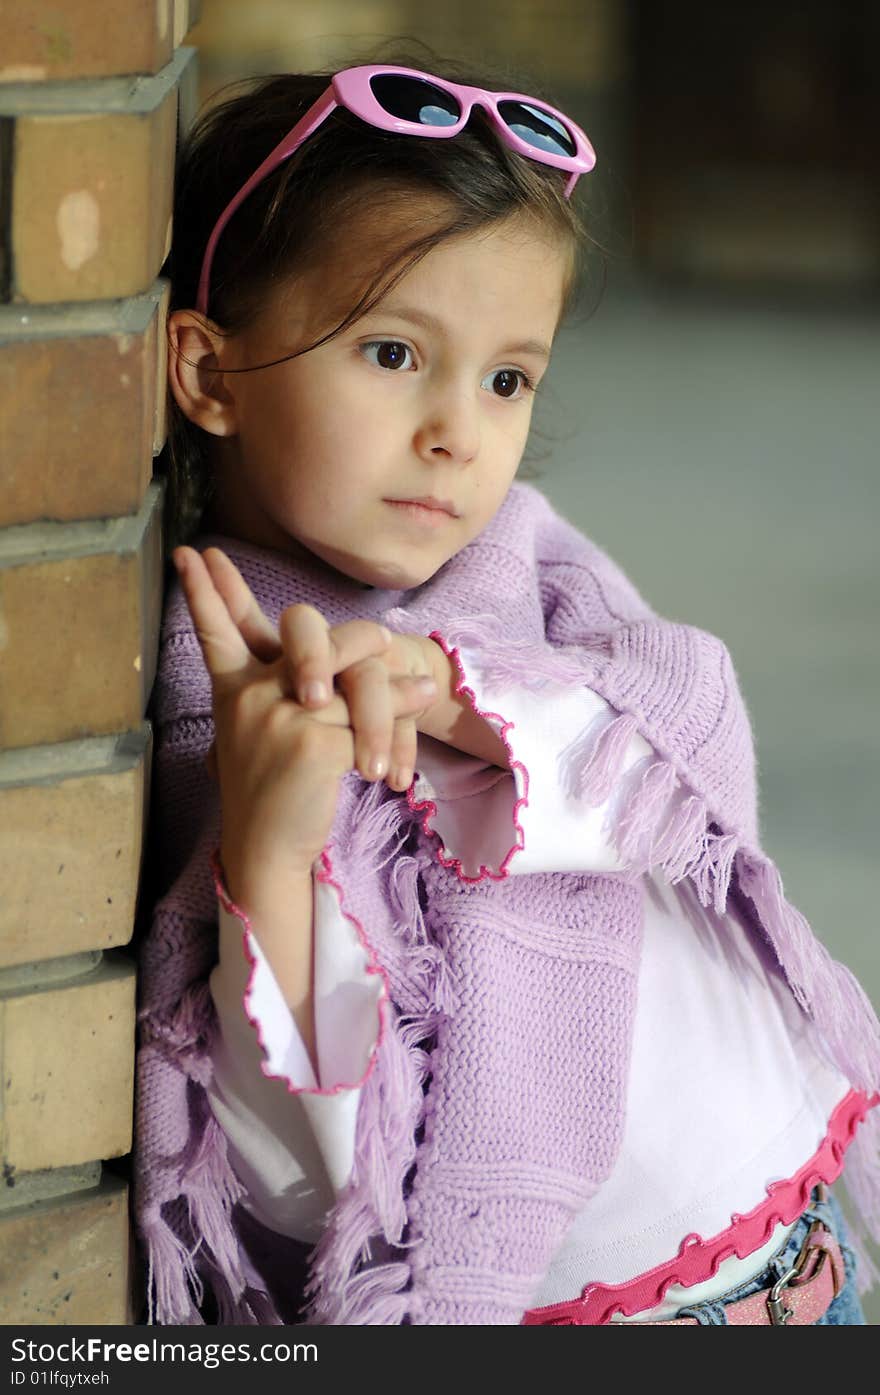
711,416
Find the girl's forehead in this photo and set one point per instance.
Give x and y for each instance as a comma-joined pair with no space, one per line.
514,268
509,272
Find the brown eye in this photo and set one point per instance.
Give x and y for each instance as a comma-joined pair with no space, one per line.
387,353
507,382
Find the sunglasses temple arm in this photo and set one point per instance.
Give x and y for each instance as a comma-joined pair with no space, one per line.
316,114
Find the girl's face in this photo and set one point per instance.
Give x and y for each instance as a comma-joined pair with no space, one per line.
389,448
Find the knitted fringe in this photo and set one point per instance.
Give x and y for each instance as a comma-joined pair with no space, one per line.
340,1290
427,974
592,763
650,825
381,817
825,989
404,888
183,1036
640,818
506,661
212,1191
375,1297
254,1310
713,873
206,1190
174,1288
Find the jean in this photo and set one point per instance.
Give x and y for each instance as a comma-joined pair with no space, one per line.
845,1310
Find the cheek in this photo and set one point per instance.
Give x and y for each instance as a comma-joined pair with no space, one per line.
341,427
514,431
506,448
302,444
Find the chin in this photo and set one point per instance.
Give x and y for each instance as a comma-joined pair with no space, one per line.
387,575
379,573
394,577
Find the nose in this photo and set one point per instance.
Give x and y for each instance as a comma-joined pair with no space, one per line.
450,428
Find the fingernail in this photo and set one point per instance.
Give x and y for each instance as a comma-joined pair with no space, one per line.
403,778
386,634
378,766
315,692
425,682
179,564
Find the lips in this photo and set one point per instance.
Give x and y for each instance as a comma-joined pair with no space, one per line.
429,502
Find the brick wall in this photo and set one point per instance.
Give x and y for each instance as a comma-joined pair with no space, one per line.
91,98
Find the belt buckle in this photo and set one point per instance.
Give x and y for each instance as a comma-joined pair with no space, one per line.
779,1314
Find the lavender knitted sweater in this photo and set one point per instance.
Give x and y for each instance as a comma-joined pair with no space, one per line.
494,1106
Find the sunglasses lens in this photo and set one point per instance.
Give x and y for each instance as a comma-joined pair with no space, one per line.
410,99
538,128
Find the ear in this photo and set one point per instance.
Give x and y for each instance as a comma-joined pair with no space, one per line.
195,378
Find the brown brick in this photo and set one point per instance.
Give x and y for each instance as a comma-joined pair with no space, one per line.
68,1069
79,619
186,14
82,398
68,1260
77,38
72,819
89,169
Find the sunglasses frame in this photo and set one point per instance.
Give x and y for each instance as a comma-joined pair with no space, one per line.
351,89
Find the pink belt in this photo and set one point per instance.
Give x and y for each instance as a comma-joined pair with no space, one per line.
798,1299
803,1294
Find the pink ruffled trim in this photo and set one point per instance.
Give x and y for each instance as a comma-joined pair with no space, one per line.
427,809
325,875
697,1259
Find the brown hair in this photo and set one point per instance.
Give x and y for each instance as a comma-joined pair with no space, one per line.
286,222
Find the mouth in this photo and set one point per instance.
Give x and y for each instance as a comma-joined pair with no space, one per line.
426,512
427,504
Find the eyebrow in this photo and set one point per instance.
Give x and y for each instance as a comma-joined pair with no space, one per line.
424,320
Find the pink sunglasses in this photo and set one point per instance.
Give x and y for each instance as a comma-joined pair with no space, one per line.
408,102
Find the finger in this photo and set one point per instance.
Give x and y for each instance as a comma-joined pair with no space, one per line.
407,698
356,640
305,640
410,697
404,746
367,690
332,714
224,651
255,628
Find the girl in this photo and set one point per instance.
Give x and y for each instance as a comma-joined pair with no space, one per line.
470,996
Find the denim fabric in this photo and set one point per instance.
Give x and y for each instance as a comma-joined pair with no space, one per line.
845,1311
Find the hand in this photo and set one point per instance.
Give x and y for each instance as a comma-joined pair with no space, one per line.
322,658
363,661
279,763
